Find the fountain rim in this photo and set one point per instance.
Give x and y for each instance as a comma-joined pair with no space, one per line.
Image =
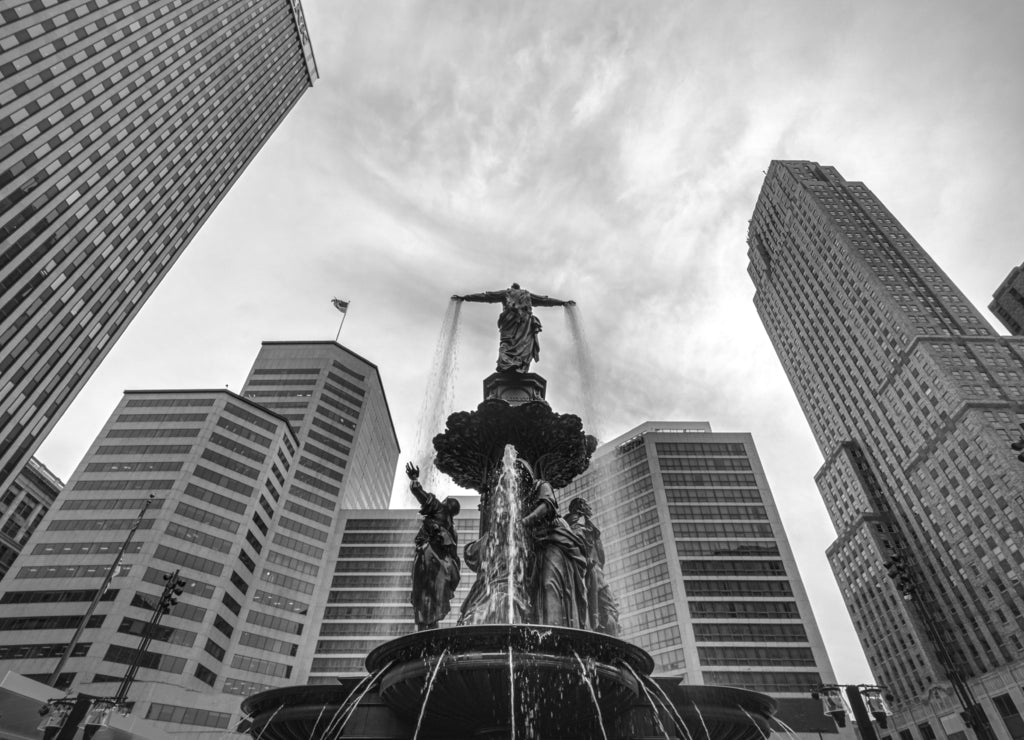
529,638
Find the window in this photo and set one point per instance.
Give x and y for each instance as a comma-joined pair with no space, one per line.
188,716
1011,716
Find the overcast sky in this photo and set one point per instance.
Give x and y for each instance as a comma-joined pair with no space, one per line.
606,152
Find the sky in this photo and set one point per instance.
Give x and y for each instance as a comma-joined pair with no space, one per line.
609,153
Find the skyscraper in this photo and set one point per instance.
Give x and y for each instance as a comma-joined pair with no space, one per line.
913,400
122,125
699,562
1008,301
245,504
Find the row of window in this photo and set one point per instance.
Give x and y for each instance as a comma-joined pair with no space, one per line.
750,632
773,682
785,656
50,622
84,548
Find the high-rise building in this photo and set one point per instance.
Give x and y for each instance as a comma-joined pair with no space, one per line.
1008,301
913,400
699,562
22,507
122,125
245,503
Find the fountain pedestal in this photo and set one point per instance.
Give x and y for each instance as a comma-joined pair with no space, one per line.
515,388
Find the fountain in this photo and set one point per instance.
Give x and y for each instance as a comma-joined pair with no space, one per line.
531,656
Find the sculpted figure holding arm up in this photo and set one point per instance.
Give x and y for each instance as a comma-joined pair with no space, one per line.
517,326
435,566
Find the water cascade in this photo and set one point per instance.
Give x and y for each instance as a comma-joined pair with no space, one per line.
586,367
439,395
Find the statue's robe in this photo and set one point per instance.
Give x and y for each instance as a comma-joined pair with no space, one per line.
559,567
602,607
435,565
518,345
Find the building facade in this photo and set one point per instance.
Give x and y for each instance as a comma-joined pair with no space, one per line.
699,562
22,506
122,125
367,602
241,501
1008,302
913,400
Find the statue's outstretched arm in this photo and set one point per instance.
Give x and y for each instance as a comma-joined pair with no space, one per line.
414,484
491,296
543,300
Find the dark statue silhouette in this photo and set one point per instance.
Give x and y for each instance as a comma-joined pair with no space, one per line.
517,326
558,564
435,567
603,609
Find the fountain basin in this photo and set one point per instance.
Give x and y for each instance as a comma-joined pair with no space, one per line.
561,681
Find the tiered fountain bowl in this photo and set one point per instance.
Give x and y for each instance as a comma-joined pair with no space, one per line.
486,680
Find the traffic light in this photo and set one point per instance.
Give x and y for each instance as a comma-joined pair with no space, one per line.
172,590
898,571
1018,446
832,703
876,704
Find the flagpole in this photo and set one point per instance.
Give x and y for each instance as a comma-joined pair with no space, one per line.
343,307
341,325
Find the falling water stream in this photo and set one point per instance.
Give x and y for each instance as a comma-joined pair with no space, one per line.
754,722
650,700
339,719
426,692
585,363
671,707
790,732
439,397
502,566
700,716
267,723
318,718
593,695
511,697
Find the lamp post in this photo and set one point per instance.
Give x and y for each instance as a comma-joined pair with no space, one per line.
972,714
52,681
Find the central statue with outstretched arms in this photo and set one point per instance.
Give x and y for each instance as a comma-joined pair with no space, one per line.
517,326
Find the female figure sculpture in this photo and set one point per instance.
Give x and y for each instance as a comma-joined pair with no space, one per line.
435,567
559,563
602,608
517,326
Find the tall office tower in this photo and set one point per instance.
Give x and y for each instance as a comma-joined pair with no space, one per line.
698,560
368,600
22,507
334,398
122,125
913,401
240,507
1008,302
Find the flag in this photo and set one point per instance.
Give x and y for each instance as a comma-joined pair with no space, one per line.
340,304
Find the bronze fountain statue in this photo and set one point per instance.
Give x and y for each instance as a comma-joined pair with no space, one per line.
535,653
